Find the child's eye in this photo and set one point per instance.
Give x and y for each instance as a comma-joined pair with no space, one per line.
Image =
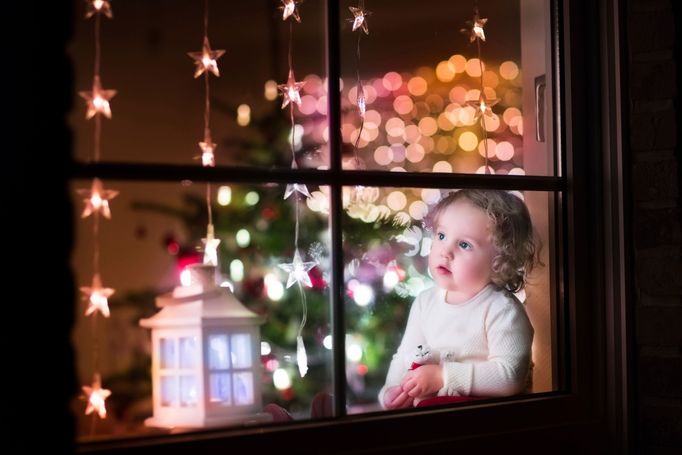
441,236
465,245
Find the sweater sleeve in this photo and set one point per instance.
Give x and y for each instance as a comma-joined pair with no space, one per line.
509,336
412,338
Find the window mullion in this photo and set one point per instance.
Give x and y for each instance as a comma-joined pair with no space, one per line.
336,206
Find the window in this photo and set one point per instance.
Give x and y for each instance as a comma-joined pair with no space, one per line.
363,220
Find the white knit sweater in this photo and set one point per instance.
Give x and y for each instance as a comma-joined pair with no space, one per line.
483,344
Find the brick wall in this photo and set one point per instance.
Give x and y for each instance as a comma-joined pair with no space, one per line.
656,215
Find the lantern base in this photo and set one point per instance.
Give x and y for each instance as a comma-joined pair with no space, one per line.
208,422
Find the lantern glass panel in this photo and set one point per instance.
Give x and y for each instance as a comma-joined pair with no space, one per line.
243,388
167,348
241,350
169,390
217,352
220,388
188,352
188,390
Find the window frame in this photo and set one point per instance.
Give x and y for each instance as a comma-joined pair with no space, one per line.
591,303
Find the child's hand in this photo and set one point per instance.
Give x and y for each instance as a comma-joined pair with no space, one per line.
425,380
396,398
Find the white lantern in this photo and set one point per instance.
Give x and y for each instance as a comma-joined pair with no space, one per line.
206,367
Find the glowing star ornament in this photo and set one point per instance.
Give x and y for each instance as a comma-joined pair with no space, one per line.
207,156
205,60
298,271
97,199
290,9
475,29
98,297
359,19
96,395
210,247
291,90
296,188
483,106
98,7
98,99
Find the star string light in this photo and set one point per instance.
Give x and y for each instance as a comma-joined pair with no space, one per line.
207,155
290,9
206,59
98,99
97,199
298,271
210,247
98,297
359,18
98,7
291,90
96,395
482,106
475,29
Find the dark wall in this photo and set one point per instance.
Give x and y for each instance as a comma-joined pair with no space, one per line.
654,122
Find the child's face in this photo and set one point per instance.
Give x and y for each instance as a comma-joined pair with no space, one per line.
462,251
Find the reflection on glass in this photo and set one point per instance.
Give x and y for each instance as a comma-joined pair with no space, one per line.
169,391
240,345
217,352
167,347
243,388
188,352
220,388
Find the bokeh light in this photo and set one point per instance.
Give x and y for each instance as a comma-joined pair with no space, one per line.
509,70
392,81
417,86
430,195
504,151
467,141
414,153
428,126
459,62
491,146
445,71
473,67
418,210
403,104
396,200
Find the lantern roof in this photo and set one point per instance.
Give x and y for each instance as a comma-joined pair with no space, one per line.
201,304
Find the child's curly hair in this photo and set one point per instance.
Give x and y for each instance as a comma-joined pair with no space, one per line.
516,244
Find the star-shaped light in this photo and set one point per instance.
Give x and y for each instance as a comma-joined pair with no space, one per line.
298,271
205,59
210,247
207,147
361,101
359,19
294,188
98,297
289,9
97,199
96,395
97,7
290,90
98,99
475,29
483,106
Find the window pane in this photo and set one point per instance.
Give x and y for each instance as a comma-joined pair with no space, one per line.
243,388
188,352
240,348
188,390
397,262
167,357
169,391
158,110
146,249
423,90
217,352
220,388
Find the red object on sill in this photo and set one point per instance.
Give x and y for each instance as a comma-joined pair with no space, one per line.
435,401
